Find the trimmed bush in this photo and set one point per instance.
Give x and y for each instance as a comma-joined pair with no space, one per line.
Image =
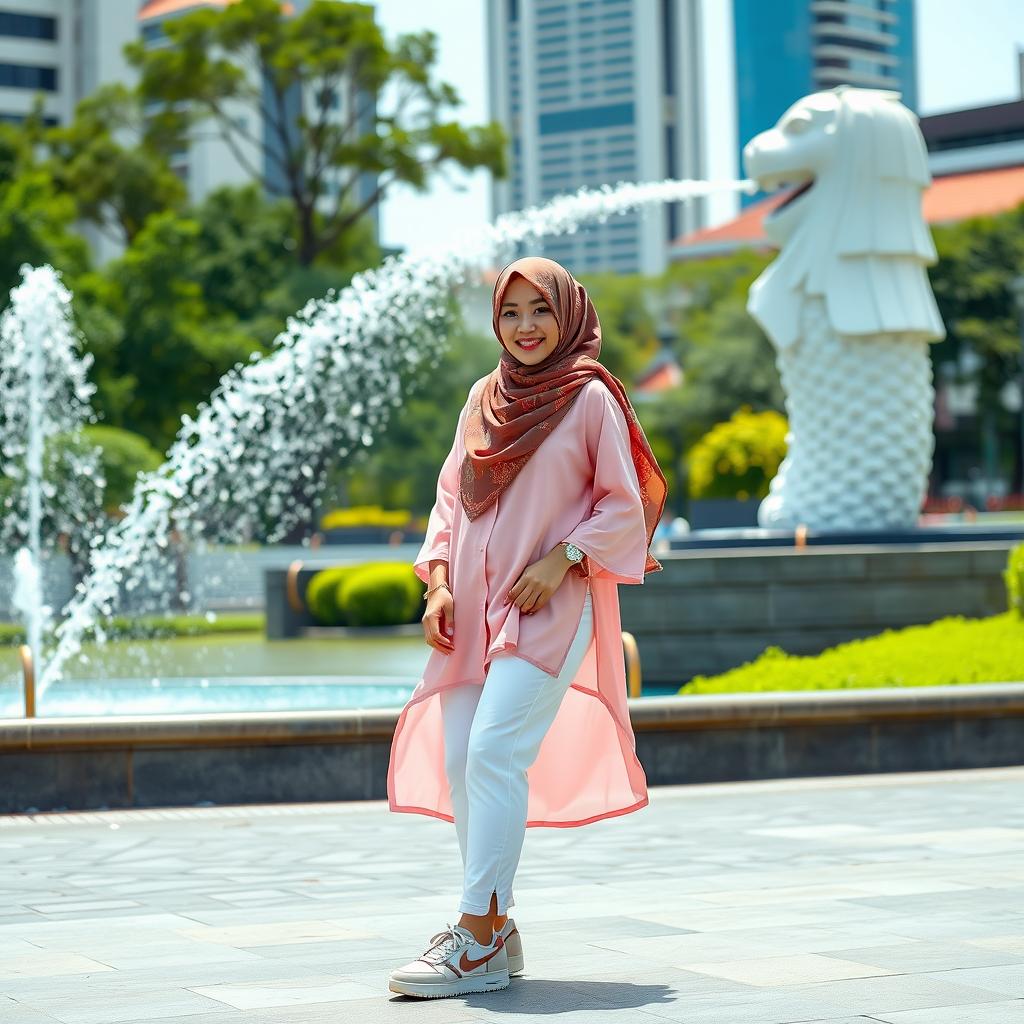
387,594
951,650
1013,574
738,458
322,594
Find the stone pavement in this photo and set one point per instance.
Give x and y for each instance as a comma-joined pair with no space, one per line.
896,898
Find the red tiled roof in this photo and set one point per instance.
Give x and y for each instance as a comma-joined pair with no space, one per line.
951,197
160,8
665,376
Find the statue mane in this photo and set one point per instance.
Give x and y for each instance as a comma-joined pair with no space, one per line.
859,239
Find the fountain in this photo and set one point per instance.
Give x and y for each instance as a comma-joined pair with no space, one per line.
256,452
44,399
331,380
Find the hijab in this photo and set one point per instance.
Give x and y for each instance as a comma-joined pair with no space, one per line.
519,404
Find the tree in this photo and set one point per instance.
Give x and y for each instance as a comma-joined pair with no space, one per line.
245,262
35,219
977,260
290,71
110,160
172,350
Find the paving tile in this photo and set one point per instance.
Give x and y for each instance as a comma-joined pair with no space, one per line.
1010,1012
851,900
776,971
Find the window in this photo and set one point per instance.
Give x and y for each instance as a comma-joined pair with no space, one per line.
28,26
582,118
28,76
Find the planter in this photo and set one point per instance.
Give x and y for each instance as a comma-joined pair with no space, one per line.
304,756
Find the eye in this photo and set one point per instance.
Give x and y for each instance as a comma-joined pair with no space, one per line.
796,125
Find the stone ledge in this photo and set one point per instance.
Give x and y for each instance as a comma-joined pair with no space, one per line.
648,714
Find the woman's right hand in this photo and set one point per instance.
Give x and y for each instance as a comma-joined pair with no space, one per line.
439,619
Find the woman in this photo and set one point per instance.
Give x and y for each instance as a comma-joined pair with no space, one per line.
547,501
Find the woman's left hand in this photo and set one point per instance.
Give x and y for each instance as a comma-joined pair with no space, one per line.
539,581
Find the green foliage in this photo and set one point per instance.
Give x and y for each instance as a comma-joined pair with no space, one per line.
35,218
738,458
173,348
115,185
978,258
400,469
951,650
322,594
365,515
123,456
387,594
157,627
629,338
1013,574
395,130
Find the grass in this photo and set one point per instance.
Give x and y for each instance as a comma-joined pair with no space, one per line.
122,628
948,651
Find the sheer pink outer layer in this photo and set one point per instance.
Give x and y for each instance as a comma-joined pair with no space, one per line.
579,485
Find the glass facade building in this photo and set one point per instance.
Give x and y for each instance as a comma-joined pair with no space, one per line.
594,92
789,48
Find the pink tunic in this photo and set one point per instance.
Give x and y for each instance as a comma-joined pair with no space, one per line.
579,485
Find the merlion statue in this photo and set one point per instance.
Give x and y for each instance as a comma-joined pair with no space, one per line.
849,308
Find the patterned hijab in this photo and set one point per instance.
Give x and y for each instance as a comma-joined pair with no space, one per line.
519,405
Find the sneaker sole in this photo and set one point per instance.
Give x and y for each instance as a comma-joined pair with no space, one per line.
492,981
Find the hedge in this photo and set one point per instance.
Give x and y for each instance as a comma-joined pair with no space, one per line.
382,595
951,650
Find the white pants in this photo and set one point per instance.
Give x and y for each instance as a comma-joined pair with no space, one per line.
492,734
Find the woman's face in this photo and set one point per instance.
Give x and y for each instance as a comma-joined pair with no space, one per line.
527,322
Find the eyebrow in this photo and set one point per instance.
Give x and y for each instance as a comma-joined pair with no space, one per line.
532,303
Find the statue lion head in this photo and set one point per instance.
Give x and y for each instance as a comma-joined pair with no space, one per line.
852,231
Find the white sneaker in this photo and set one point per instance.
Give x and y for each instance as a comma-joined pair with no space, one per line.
513,946
454,964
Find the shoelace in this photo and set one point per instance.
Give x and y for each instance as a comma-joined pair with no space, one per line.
442,944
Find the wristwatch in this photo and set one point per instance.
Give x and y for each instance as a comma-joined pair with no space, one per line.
572,552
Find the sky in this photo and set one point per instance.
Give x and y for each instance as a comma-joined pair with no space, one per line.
958,66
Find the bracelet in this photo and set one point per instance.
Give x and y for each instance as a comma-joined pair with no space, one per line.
438,587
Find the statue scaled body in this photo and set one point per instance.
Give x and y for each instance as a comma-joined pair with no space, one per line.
849,308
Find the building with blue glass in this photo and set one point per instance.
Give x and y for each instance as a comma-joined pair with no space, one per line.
594,92
787,49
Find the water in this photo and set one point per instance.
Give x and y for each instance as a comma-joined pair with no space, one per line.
255,455
184,695
44,396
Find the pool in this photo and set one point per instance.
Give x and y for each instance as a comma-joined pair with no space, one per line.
200,694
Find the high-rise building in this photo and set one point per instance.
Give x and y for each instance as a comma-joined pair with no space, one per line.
61,50
789,48
210,161
594,92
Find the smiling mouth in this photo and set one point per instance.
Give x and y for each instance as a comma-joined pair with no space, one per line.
529,343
